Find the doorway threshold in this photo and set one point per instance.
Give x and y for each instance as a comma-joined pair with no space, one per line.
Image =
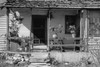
40,47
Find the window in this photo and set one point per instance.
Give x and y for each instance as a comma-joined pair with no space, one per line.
72,25
69,21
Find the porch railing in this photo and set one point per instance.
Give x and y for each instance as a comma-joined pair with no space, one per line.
60,44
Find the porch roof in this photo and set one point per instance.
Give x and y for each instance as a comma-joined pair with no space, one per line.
53,3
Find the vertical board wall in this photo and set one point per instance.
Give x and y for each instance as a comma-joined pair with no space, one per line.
3,29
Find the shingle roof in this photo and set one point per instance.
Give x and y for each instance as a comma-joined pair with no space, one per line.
55,4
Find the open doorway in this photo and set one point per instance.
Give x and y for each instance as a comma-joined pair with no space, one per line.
39,29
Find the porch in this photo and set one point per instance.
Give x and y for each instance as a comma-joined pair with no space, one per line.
53,29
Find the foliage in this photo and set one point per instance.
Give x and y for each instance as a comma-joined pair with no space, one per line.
72,29
15,22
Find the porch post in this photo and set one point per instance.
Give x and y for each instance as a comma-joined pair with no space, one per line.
87,30
81,27
48,24
31,45
8,44
85,17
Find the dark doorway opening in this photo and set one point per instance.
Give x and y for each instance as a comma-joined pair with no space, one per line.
39,28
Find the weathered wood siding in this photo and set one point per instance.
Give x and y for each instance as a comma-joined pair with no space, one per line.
94,33
3,29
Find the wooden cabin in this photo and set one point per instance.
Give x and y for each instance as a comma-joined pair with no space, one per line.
50,24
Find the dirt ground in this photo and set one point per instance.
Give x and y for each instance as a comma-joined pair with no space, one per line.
42,66
8,65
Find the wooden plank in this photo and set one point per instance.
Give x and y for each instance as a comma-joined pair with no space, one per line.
65,45
7,14
3,32
85,36
48,31
17,38
69,38
87,30
2,41
3,18
16,52
81,26
2,38
3,45
3,27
